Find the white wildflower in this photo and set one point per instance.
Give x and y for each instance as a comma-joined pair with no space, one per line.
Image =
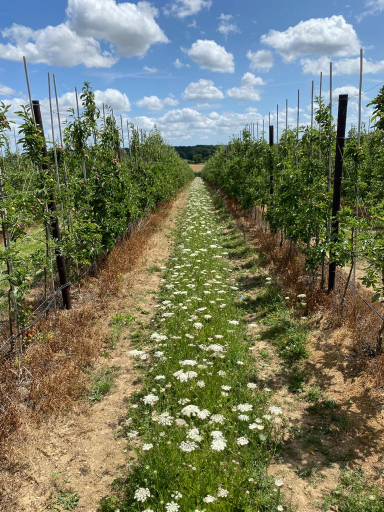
172,507
190,410
244,407
276,411
142,494
242,441
187,446
150,399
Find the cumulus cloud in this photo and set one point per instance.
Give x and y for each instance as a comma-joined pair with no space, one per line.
210,55
247,91
184,8
341,66
227,26
4,89
113,97
130,28
59,46
175,125
155,103
202,90
318,36
261,60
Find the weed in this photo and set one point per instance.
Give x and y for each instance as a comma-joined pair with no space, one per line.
354,494
67,501
102,384
153,269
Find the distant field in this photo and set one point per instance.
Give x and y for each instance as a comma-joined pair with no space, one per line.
197,167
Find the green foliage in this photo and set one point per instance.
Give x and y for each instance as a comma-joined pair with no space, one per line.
196,154
67,501
100,191
300,205
378,111
355,494
102,384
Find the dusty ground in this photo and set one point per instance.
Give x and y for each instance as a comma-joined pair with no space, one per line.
197,167
80,452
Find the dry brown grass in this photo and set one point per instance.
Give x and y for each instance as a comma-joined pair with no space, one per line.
287,263
51,374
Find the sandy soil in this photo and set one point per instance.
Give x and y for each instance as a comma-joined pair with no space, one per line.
197,167
81,452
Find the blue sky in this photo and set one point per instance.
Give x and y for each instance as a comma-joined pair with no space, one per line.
198,69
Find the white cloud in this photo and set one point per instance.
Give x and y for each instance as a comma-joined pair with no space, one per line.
202,90
261,60
4,89
247,91
155,103
149,70
132,28
113,97
178,64
209,55
226,26
59,46
318,36
341,66
372,7
183,8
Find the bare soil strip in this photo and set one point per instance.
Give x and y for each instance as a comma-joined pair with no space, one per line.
79,453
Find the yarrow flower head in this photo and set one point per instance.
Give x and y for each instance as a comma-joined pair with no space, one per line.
172,507
276,411
142,494
222,493
150,399
187,446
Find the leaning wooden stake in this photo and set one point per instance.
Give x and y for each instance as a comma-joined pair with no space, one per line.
55,227
340,141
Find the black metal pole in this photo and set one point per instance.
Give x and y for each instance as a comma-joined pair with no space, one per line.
55,226
271,161
340,140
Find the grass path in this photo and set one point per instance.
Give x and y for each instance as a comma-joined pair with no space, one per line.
203,428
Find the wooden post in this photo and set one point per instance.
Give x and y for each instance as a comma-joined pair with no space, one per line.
55,227
340,141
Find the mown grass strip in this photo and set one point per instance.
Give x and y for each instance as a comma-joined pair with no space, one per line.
203,430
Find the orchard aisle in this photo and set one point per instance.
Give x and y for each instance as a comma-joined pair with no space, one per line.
202,426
